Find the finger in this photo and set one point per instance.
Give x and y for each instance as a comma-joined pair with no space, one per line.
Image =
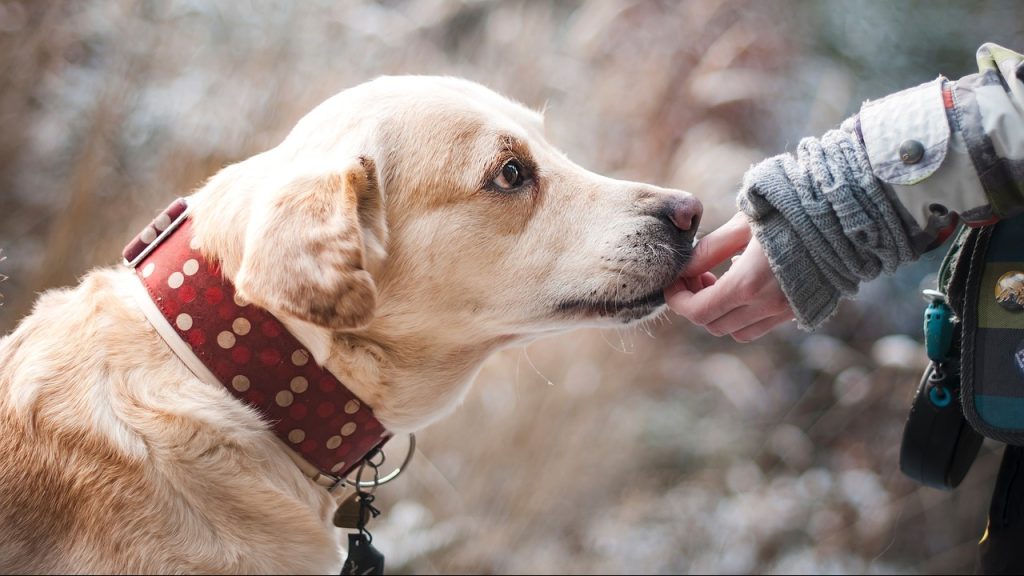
705,306
719,245
701,282
738,319
683,284
759,329
708,279
691,283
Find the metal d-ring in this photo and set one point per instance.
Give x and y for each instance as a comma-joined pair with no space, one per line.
390,476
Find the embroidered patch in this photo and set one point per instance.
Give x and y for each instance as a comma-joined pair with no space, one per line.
1010,291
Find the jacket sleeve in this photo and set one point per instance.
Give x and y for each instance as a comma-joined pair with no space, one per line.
890,183
952,147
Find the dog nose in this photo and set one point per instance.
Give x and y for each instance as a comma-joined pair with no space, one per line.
684,212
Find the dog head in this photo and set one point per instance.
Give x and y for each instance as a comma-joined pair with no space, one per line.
429,218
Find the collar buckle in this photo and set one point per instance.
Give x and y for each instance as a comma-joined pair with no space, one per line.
156,232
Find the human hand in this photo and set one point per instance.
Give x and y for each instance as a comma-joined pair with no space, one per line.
746,302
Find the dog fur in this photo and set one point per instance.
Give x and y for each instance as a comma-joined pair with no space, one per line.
380,233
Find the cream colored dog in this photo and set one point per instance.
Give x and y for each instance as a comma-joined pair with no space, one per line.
403,231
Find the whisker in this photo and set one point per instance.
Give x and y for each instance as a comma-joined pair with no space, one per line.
526,353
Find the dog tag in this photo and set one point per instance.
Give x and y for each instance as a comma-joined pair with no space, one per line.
363,558
351,513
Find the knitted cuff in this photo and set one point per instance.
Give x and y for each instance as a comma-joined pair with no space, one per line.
824,221
811,296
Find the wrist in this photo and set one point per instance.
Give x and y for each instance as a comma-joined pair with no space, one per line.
811,297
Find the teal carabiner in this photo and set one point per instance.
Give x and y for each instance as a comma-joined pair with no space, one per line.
938,326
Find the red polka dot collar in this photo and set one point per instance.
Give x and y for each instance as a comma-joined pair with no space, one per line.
248,351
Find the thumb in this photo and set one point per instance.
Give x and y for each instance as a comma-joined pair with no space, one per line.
718,246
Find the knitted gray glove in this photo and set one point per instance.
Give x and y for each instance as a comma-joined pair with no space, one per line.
825,222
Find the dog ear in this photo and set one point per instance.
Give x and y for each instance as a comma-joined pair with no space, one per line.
306,247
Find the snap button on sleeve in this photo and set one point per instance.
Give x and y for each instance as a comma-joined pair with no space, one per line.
911,151
906,134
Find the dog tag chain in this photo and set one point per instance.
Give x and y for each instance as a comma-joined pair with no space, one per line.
356,512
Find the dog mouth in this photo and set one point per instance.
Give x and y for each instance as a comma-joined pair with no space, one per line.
653,264
625,310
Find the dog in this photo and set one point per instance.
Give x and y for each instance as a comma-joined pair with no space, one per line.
403,231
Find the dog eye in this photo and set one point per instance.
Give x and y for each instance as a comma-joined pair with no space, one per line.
511,177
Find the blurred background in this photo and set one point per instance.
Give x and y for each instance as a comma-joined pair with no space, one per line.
651,450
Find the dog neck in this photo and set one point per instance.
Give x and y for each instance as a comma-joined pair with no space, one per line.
411,380
248,351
